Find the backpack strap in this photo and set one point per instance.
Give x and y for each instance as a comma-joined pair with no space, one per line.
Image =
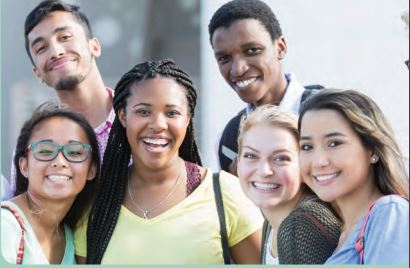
228,145
266,228
20,251
309,89
221,216
359,246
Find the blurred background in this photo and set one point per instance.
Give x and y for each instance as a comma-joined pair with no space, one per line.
359,44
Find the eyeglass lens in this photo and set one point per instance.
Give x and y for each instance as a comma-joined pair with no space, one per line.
47,151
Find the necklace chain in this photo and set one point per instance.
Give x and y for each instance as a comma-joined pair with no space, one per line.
145,212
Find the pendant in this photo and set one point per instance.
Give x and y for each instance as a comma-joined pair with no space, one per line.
145,214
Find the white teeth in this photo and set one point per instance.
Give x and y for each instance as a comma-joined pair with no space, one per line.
245,83
58,178
326,177
161,142
265,186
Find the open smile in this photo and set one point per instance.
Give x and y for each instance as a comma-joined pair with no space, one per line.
263,186
243,84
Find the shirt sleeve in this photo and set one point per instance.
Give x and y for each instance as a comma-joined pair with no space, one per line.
386,239
10,236
243,218
308,235
80,238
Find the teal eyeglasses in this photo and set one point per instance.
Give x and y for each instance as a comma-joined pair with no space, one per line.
74,152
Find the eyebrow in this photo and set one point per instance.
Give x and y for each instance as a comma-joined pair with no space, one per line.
274,151
149,105
243,46
328,135
41,38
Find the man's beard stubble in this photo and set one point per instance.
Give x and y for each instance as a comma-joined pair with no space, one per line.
69,83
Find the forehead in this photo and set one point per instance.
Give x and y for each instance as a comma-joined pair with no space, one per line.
243,30
53,21
59,129
268,136
325,121
158,88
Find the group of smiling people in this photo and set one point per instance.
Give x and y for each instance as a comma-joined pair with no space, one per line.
327,186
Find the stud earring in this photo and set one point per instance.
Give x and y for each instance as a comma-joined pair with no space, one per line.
374,159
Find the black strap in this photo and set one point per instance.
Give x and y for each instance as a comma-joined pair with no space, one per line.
266,228
221,216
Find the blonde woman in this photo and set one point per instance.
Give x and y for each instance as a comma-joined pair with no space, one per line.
299,228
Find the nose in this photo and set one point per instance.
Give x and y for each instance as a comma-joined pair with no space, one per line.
158,122
56,49
265,169
60,160
239,67
320,159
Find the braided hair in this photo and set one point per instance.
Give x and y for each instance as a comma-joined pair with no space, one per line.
114,174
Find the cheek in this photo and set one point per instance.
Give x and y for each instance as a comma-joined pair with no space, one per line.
291,177
245,170
303,164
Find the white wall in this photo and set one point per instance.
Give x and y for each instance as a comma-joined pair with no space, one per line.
357,44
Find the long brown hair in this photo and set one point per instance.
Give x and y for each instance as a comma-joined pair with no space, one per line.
374,131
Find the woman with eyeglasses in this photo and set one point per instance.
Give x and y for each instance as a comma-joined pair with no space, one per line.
58,163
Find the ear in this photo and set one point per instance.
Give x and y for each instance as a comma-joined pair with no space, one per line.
23,165
282,48
188,119
374,158
92,172
95,47
122,116
38,75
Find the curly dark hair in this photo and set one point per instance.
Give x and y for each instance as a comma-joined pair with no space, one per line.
245,9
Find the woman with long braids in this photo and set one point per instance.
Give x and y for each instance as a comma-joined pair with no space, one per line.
161,208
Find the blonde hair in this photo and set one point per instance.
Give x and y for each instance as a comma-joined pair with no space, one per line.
269,115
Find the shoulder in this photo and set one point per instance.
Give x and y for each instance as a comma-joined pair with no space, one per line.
312,230
315,213
394,207
9,224
233,123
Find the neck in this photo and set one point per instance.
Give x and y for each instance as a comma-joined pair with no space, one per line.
275,215
44,215
90,98
276,92
355,205
142,175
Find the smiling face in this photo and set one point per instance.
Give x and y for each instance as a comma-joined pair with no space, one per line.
58,178
333,161
249,61
156,118
268,166
62,53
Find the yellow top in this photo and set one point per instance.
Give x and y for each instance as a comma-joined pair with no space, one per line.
188,233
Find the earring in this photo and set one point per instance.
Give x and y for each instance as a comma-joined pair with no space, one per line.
374,159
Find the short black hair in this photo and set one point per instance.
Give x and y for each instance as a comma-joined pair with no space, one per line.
245,9
42,10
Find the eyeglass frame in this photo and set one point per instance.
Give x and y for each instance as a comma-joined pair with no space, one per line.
87,148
